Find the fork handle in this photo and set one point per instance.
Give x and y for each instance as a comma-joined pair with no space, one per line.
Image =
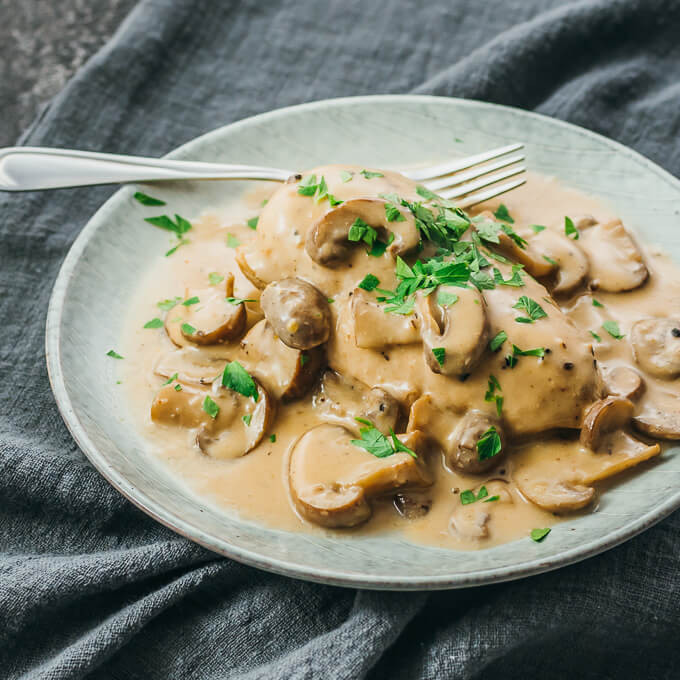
24,168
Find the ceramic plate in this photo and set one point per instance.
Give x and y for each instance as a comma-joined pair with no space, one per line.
111,255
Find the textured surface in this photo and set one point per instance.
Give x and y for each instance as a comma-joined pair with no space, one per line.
41,46
90,585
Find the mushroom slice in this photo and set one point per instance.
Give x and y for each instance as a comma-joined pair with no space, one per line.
603,416
182,408
340,400
460,330
660,417
526,255
623,381
656,346
616,264
472,520
241,257
332,481
191,365
556,495
572,264
461,448
412,504
376,329
287,373
298,312
239,425
328,243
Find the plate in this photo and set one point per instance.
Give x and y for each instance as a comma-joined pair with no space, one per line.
112,254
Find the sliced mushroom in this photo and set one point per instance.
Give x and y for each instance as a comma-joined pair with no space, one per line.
472,520
375,329
616,263
241,257
461,448
341,400
623,381
461,330
327,241
226,435
603,416
210,320
191,365
332,481
660,418
526,255
298,312
556,495
656,346
412,504
287,373
584,221
572,264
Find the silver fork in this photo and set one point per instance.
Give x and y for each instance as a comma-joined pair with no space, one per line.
473,179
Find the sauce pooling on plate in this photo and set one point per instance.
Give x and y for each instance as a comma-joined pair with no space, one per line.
365,356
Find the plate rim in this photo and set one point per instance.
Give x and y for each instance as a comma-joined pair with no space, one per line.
328,576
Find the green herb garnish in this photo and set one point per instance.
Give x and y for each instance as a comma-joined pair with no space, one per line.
191,301
145,199
375,442
368,174
537,228
539,534
439,355
247,418
170,379
238,301
531,307
369,282
489,444
496,342
236,378
272,438
167,305
154,323
468,496
179,227
596,336
345,176
252,222
113,354
181,242
597,303
393,213
232,241
549,260
210,407
569,229
491,395
503,214
612,327
538,352
214,278
187,329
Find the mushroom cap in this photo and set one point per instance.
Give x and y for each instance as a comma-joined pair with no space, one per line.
376,329
286,373
341,400
603,416
556,495
656,346
327,241
298,312
192,366
616,263
331,480
660,418
461,446
460,329
572,264
528,256
623,381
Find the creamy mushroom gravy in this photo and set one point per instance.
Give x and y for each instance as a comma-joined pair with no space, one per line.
312,475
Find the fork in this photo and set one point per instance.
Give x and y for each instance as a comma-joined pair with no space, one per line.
473,179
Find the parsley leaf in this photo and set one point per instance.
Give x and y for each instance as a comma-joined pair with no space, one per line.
272,438
113,354
375,442
538,352
188,329
613,329
167,305
154,323
210,407
180,226
468,496
191,301
252,222
232,241
549,260
345,176
393,213
569,229
490,395
181,242
489,444
174,376
596,336
503,214
145,199
439,355
360,231
247,418
307,186
515,280
496,342
214,278
445,299
539,534
369,282
368,174
238,301
597,303
531,307
236,378
537,228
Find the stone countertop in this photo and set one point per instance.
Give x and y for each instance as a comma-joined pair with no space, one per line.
42,43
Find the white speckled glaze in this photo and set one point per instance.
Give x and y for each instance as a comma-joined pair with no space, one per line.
111,255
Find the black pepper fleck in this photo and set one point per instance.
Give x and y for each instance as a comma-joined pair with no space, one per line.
676,332
568,365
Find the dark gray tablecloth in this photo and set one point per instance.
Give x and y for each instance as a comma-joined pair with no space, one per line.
90,585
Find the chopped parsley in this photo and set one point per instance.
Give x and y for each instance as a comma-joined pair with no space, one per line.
613,329
368,174
491,395
496,342
187,329
360,231
179,227
569,229
309,186
369,282
191,301
503,214
531,307
468,496
376,443
272,438
445,299
238,301
439,355
538,352
247,418
145,199
597,303
214,278
539,534
304,358
393,213
154,323
252,222
510,360
489,444
596,336
232,241
178,388
167,305
537,228
171,378
210,407
181,242
113,354
549,260
345,176
515,279
236,378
